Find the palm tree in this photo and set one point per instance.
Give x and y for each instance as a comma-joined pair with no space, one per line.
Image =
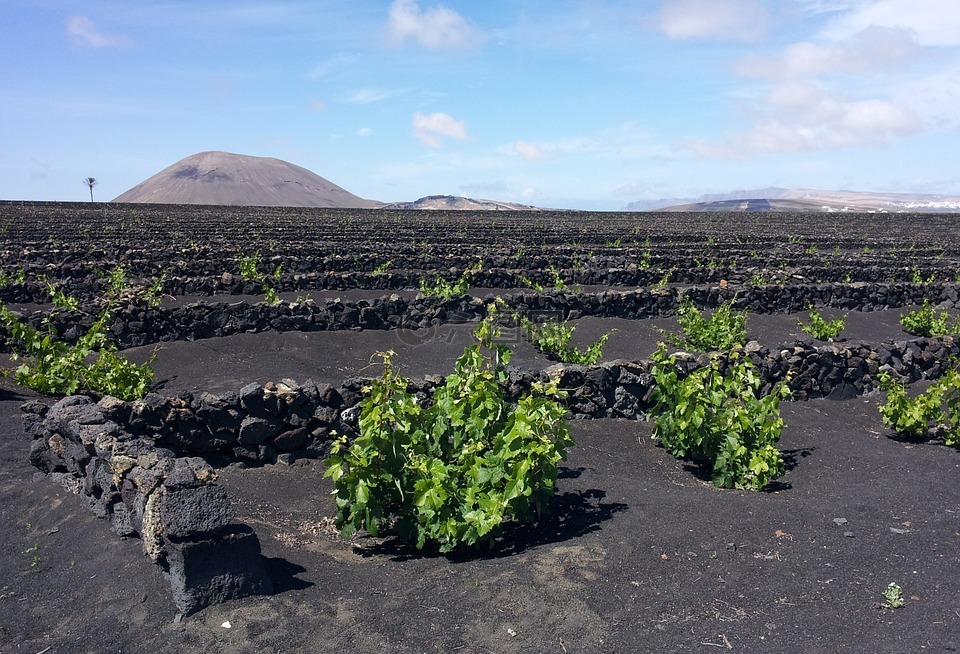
91,182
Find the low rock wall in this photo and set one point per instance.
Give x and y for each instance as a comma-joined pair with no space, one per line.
138,324
171,502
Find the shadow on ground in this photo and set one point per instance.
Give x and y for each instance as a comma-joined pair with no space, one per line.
571,515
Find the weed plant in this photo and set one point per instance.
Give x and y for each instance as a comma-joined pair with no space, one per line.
892,596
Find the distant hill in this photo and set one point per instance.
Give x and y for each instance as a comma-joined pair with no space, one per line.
222,178
454,202
781,199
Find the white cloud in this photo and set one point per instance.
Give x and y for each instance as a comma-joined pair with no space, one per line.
935,97
82,31
875,49
368,96
805,117
437,28
624,142
934,22
364,131
727,20
530,151
431,128
333,66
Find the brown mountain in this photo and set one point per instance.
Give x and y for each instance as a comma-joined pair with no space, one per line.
236,179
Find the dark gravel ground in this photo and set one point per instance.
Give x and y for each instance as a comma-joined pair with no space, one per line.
640,554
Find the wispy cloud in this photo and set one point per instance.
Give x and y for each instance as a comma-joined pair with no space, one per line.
364,131
436,28
82,31
624,142
531,151
866,79
369,96
333,66
725,20
432,128
804,117
934,22
874,50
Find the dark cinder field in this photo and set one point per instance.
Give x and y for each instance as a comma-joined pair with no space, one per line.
639,553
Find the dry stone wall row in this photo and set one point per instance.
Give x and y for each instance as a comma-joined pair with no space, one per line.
615,271
146,465
283,421
137,324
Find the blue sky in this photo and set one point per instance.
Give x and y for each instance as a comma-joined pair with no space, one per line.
586,104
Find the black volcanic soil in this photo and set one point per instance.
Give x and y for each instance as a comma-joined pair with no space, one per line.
639,554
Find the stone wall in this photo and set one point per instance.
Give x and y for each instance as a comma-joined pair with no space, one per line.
172,503
137,323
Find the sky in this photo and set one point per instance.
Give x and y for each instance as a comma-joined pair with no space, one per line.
579,104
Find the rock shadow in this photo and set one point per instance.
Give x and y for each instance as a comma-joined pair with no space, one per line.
283,574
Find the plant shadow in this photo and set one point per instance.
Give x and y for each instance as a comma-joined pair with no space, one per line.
702,469
571,514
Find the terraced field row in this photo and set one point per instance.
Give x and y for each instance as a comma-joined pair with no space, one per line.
198,251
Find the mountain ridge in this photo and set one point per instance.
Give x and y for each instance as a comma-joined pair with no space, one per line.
783,199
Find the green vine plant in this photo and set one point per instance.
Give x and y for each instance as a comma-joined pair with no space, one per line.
249,266
442,288
455,473
935,412
646,256
60,298
18,277
270,285
528,283
662,283
925,321
725,329
116,280
52,366
154,292
917,277
558,282
553,339
821,328
716,415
